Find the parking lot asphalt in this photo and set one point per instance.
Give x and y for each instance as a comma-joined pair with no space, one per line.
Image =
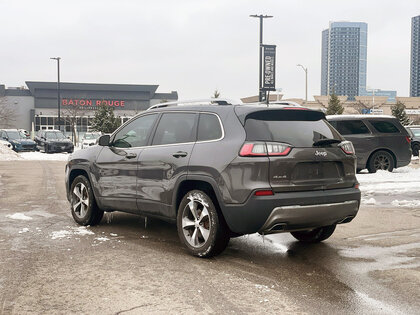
50,265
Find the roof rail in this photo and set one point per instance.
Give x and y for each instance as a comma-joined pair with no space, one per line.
209,101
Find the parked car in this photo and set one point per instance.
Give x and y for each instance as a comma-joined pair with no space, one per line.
381,142
415,138
219,171
90,138
17,140
53,141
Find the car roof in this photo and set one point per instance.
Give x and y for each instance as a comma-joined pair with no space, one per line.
361,116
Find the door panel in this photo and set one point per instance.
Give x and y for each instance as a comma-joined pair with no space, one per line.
161,164
117,177
158,170
117,164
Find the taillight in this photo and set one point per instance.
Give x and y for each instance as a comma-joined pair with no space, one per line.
408,139
347,147
253,149
265,149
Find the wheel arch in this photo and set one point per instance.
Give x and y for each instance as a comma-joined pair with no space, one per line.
204,183
382,149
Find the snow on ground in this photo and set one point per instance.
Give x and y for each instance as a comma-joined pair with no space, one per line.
39,156
400,188
18,216
7,154
69,233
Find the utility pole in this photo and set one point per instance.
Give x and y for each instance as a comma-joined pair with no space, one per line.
306,81
261,93
58,90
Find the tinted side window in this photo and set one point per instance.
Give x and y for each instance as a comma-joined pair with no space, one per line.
135,133
175,128
351,127
209,127
384,126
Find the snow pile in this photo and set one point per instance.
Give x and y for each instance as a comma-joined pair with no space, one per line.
7,154
400,188
18,216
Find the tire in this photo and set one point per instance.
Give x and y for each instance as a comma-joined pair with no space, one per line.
70,151
416,148
314,236
201,228
381,160
84,209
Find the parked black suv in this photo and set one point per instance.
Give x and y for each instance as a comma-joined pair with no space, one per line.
220,170
381,142
53,141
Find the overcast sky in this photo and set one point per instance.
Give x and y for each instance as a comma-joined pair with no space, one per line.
195,46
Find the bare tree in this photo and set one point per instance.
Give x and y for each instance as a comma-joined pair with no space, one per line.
71,113
7,114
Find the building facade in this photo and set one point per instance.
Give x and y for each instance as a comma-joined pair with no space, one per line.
415,57
37,106
344,59
391,95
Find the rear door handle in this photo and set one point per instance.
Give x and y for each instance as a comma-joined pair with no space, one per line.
180,154
131,155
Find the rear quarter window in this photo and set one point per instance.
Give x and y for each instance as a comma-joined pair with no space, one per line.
350,127
297,128
209,128
384,126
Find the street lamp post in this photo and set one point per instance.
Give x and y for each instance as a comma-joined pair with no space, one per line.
306,81
58,90
261,93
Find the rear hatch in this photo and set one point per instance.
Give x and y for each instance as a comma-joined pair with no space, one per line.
304,151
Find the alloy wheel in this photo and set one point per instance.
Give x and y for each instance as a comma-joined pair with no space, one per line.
382,162
80,200
196,222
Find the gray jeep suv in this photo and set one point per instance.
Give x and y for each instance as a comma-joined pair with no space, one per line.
219,170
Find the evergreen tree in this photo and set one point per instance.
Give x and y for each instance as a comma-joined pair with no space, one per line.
398,111
104,120
216,94
334,106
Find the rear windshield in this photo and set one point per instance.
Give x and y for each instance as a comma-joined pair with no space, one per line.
288,126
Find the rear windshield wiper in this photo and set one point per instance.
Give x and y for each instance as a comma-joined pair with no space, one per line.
325,142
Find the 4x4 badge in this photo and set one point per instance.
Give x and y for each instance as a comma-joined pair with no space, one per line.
320,153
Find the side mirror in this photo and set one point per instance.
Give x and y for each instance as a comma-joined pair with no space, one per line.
104,140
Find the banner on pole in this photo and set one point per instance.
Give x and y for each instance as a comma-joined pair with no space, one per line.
269,68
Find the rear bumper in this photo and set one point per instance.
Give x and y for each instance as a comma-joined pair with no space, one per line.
291,211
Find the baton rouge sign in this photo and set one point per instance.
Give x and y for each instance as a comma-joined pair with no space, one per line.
91,103
269,75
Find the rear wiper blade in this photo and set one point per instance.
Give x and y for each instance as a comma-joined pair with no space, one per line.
325,142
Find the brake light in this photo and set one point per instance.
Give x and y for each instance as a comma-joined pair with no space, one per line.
253,149
347,147
265,149
356,186
264,193
408,139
